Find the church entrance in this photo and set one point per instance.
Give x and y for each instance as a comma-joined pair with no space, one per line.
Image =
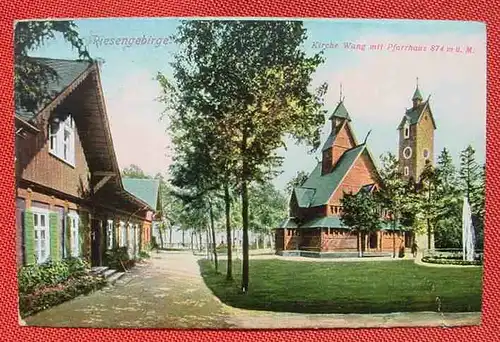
372,241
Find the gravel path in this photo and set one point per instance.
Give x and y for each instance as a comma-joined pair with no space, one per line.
168,292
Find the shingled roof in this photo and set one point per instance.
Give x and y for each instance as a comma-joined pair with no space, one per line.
145,189
340,112
318,188
68,71
412,115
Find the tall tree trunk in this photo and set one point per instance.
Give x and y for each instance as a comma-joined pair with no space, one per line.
244,213
429,230
161,236
192,244
207,244
200,239
394,237
227,200
183,231
360,249
214,243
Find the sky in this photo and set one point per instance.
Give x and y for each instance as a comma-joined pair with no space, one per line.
377,83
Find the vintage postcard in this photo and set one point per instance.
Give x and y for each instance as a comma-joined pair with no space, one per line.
249,173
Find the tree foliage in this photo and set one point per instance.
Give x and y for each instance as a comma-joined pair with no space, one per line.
296,181
360,213
241,90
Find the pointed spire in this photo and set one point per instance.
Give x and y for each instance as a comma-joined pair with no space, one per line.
340,111
417,95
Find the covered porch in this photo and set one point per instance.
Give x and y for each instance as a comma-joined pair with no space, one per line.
327,236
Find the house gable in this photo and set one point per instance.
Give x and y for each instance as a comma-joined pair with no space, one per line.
363,173
96,169
340,140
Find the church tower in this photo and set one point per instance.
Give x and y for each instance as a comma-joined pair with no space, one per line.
416,137
341,137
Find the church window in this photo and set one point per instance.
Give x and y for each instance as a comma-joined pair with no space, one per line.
407,152
406,171
426,153
407,131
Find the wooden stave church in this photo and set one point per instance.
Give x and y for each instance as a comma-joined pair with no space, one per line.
313,227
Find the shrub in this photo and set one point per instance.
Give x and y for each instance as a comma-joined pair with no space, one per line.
144,255
32,277
43,298
118,259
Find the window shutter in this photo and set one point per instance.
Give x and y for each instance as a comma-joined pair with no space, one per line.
67,237
54,236
82,231
29,238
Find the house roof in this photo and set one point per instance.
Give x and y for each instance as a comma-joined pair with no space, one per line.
67,72
289,222
318,188
144,189
324,222
78,88
340,112
329,141
333,135
412,115
331,222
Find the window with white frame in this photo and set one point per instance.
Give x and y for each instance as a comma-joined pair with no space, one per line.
136,239
74,220
407,130
123,234
130,239
406,171
42,235
62,139
110,234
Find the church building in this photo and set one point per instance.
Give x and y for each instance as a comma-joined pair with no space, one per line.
314,227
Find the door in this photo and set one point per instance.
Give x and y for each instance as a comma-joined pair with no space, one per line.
96,242
373,241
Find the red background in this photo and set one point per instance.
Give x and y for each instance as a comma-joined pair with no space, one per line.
485,11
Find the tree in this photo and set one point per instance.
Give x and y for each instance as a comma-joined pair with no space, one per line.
447,230
250,89
296,181
472,179
393,194
360,213
134,171
31,78
268,206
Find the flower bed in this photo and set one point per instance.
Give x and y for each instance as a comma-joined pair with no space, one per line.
451,260
49,284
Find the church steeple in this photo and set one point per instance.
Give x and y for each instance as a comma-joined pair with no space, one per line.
417,96
340,113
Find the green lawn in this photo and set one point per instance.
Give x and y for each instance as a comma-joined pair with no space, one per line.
347,287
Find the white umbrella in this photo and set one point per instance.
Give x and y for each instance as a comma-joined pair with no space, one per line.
467,232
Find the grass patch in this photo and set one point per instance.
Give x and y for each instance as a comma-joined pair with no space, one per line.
347,287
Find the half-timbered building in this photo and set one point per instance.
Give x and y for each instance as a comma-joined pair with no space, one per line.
70,198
